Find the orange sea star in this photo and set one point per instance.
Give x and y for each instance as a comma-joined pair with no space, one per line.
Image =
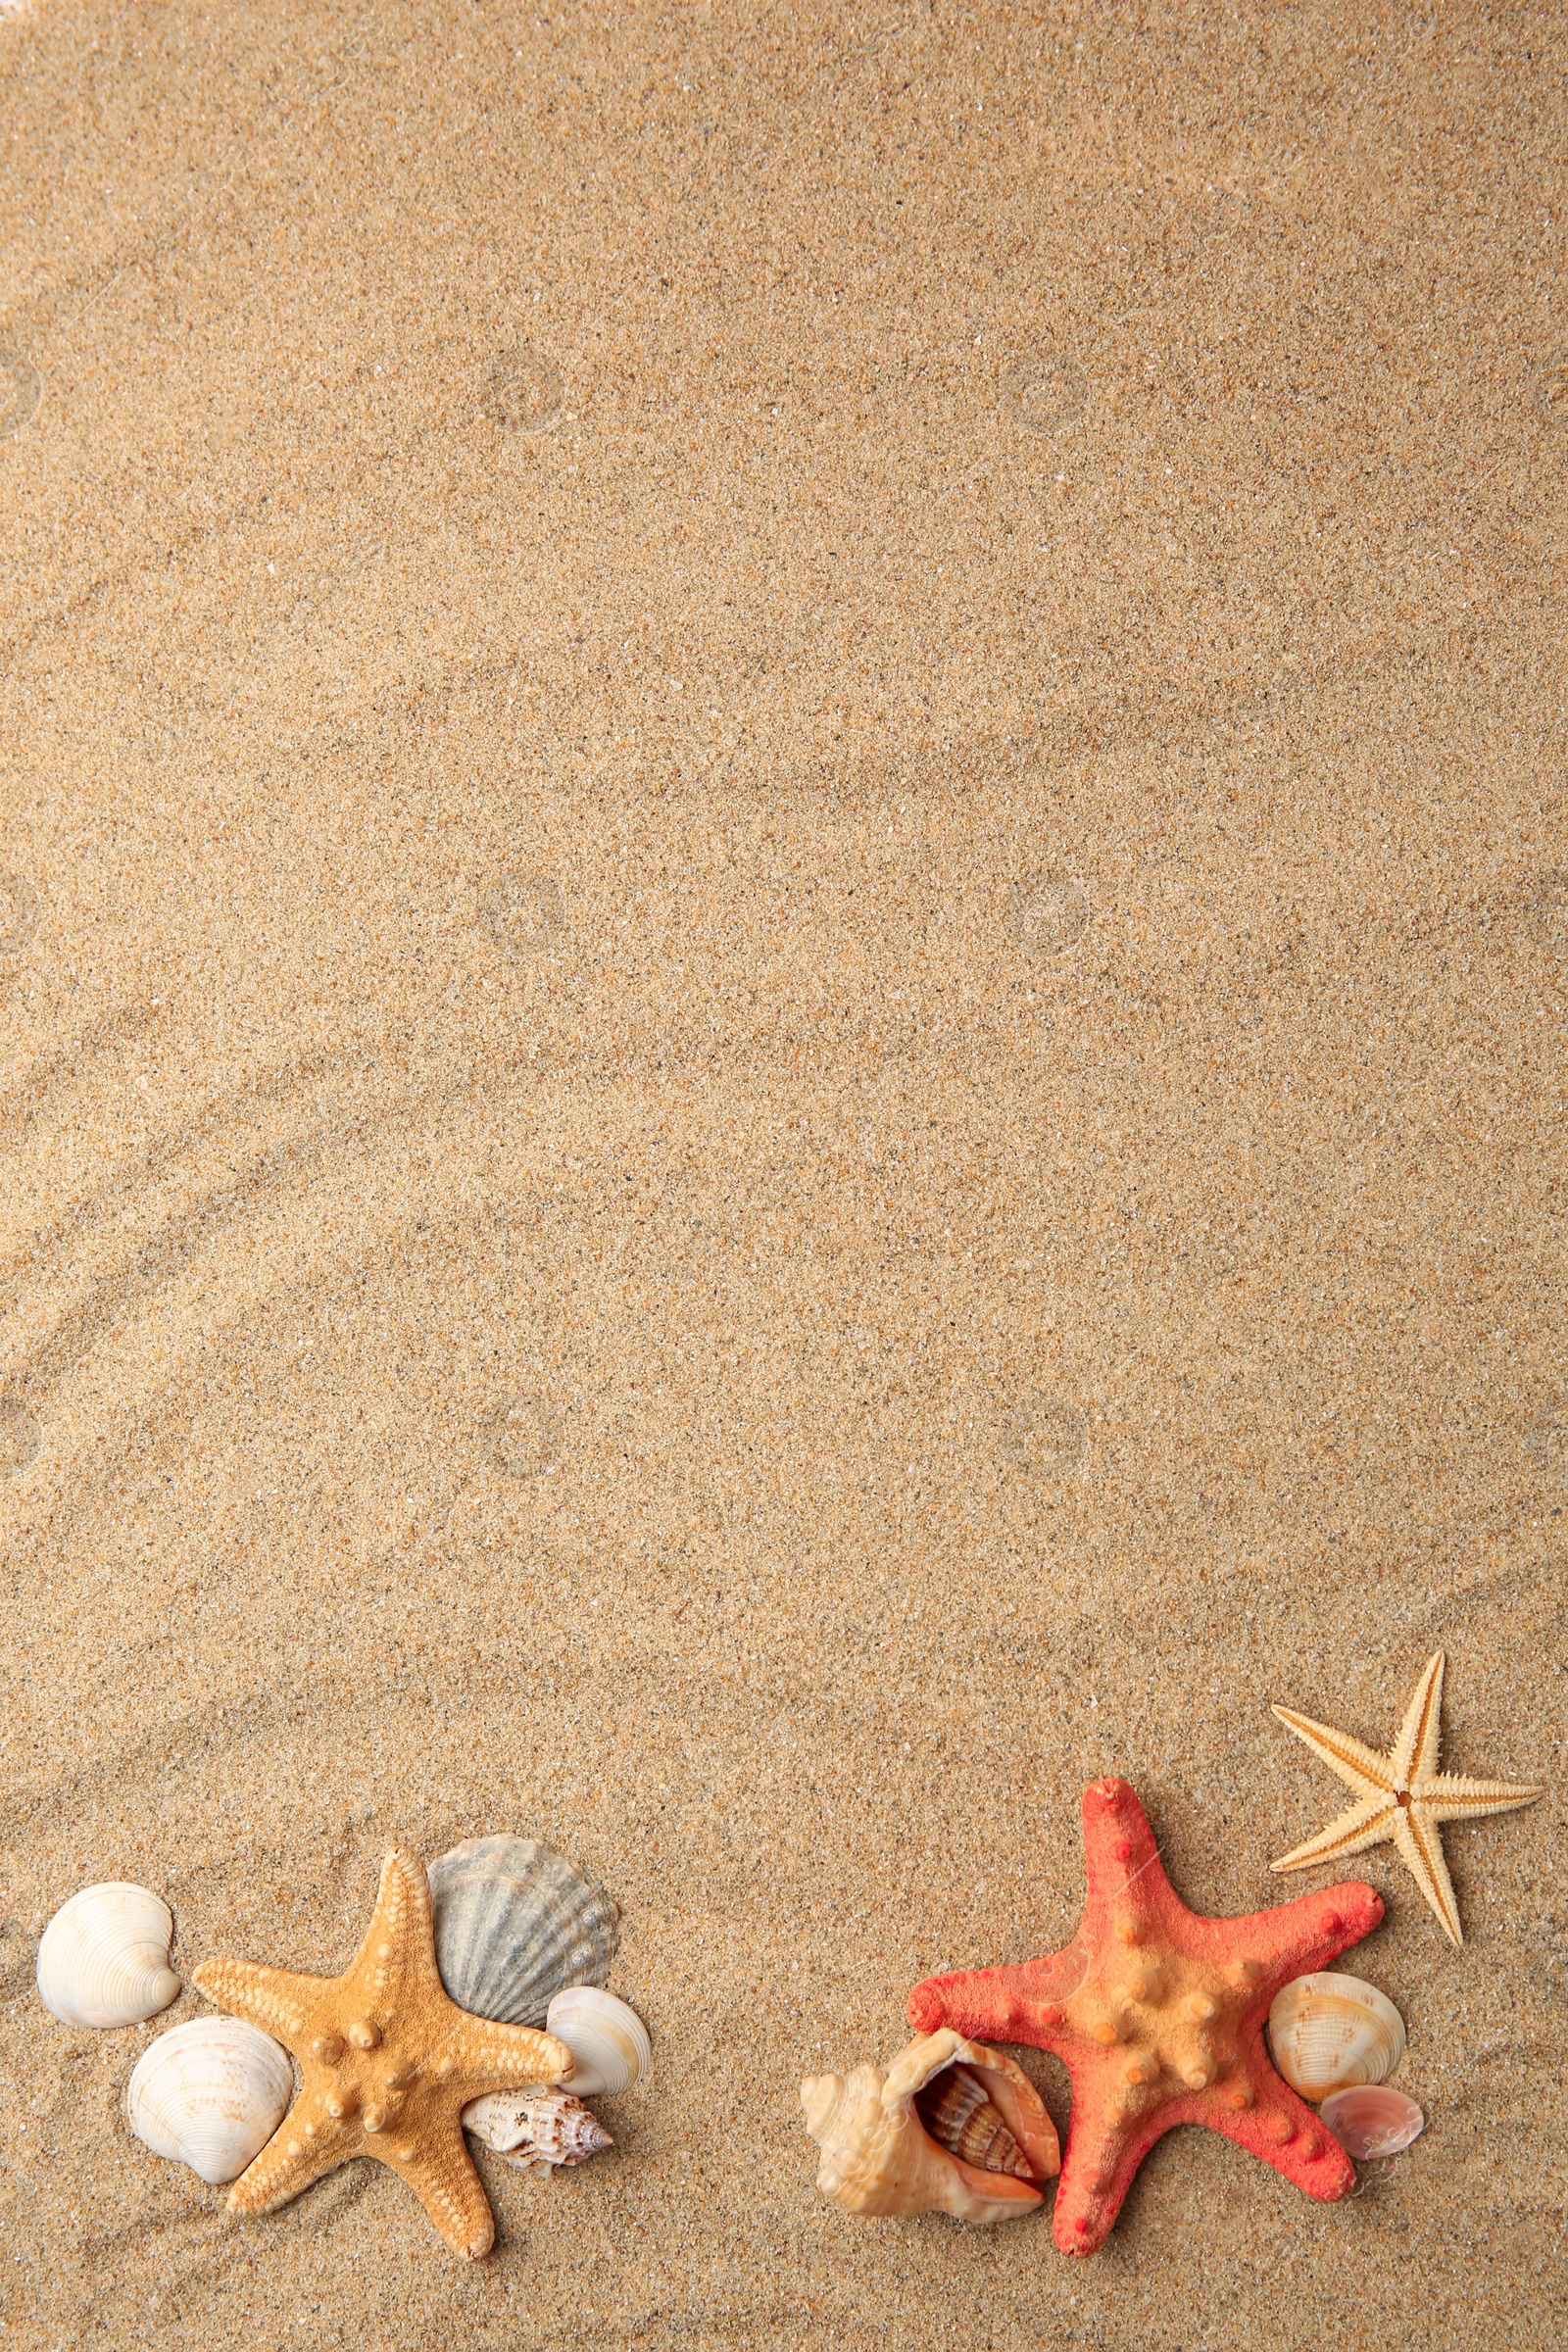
388,2064
1157,2014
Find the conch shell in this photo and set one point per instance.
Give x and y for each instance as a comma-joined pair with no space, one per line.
878,2156
1329,2031
536,2129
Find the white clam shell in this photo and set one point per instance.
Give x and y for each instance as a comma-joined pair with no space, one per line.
103,1958
1329,2031
608,2039
209,2094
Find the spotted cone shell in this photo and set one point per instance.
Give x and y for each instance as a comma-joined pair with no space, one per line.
514,1924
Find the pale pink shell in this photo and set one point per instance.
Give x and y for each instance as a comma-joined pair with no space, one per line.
1369,2119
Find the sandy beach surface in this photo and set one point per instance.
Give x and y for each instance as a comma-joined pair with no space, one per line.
781,990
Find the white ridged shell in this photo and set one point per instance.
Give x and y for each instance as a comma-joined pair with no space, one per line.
103,1958
1328,2032
514,1922
209,2094
608,2039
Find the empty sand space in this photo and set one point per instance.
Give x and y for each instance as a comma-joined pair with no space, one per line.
782,962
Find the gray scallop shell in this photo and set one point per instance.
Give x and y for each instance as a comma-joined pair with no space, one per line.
514,1924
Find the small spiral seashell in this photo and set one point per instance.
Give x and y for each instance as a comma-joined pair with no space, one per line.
605,2036
536,2129
957,2112
1328,2032
104,1957
515,1921
209,2094
1371,2120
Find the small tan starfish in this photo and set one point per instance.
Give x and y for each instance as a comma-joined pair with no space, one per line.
388,2061
1402,1795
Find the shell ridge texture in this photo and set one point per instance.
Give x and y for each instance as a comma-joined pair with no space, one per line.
514,1924
103,1959
209,2094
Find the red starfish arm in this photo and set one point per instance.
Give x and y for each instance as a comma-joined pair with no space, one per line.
1285,2132
1120,1857
1103,2152
1001,2004
1292,1939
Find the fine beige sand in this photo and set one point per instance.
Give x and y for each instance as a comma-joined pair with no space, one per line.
781,980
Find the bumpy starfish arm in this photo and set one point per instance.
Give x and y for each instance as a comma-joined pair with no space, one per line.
1120,1856
276,2175
1283,2130
477,2057
1103,2156
1367,1823
280,2003
1356,1765
1416,1751
400,1941
1290,1940
442,2176
1421,1845
987,2004
1448,1797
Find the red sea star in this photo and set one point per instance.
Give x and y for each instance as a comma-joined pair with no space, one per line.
1158,2015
